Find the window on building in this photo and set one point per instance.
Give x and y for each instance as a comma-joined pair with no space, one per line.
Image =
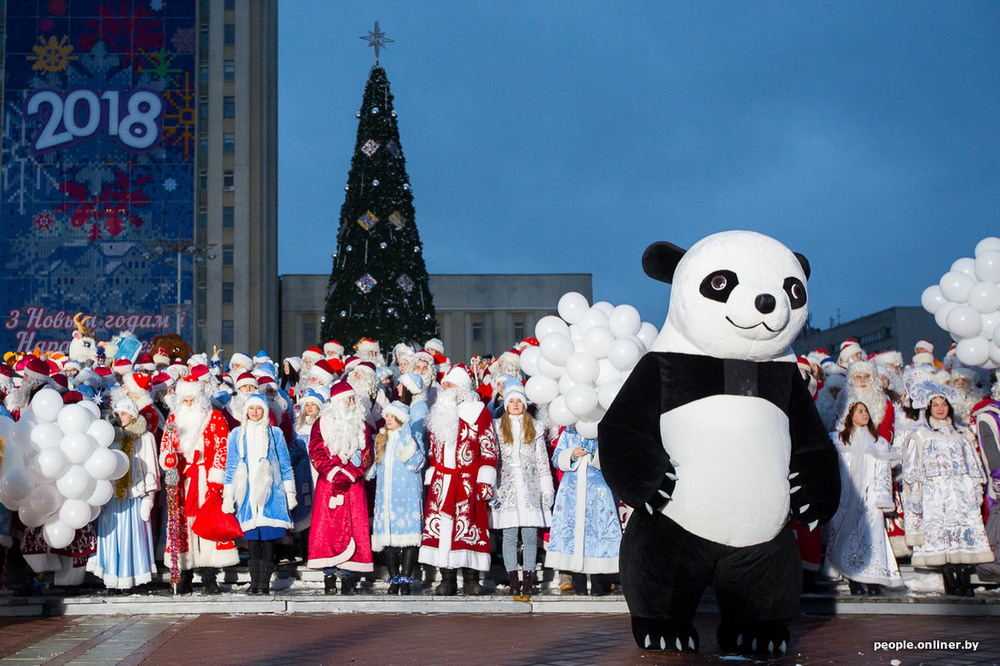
228,217
228,332
202,217
230,5
519,330
229,31
203,39
477,331
229,107
228,181
228,293
228,144
308,332
229,70
203,179
203,109
203,73
203,144
228,255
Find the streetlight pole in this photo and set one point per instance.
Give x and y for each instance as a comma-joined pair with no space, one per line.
180,247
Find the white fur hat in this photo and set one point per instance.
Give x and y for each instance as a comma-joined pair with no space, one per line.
413,382
434,345
399,410
189,387
123,403
333,347
458,376
241,359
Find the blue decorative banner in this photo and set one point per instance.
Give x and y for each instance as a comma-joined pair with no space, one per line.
98,166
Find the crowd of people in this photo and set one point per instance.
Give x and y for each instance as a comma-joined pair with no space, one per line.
348,460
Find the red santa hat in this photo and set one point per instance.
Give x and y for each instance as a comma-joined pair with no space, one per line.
137,382
161,357
332,347
35,368
366,367
459,376
804,364
72,397
245,379
312,354
189,387
367,345
341,390
61,381
53,366
323,371
848,348
265,380
5,370
102,371
122,366
161,381
145,363
925,345
199,371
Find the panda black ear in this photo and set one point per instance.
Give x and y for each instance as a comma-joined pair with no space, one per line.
660,260
805,263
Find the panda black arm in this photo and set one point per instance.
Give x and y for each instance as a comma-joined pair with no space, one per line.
633,461
814,467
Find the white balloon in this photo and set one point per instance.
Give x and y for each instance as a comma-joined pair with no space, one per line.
102,463
550,370
556,348
582,368
932,298
566,383
541,390
984,297
606,372
529,360
624,354
91,407
607,392
604,307
990,323
75,483
17,484
595,415
46,405
964,321
52,462
581,400
57,533
578,346
575,333
624,321
587,429
102,432
74,418
593,318
572,306
122,466
74,513
988,266
30,418
103,490
973,351
639,343
44,499
941,316
965,265
987,244
550,324
46,436
560,413
6,427
95,511
597,341
31,518
77,446
955,286
648,334
994,351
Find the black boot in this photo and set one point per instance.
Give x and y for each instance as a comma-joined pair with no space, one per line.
470,583
874,590
392,564
950,578
856,588
409,563
348,585
253,566
185,584
514,582
208,583
527,583
579,584
600,585
963,574
330,584
265,569
449,583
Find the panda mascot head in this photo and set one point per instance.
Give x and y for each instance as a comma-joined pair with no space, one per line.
736,294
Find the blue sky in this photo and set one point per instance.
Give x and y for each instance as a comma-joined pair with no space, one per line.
566,137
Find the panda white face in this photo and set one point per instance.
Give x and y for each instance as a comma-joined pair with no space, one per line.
738,294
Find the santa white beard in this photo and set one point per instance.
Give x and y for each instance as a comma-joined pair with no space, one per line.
443,418
873,398
277,405
428,376
236,403
190,422
347,428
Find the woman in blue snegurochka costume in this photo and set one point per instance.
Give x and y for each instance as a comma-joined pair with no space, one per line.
586,532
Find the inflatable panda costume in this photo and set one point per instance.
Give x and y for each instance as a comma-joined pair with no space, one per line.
715,442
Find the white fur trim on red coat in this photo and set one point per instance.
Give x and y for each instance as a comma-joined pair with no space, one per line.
216,475
487,475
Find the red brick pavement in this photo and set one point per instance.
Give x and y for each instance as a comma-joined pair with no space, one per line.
514,639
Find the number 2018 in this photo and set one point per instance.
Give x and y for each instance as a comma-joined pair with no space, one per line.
78,116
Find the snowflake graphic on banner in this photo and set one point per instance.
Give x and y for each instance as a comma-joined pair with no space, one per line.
368,220
397,219
43,221
366,283
371,145
405,283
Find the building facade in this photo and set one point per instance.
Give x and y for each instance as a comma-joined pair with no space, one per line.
476,314
897,328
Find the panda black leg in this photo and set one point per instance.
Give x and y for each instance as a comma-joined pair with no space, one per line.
758,590
664,571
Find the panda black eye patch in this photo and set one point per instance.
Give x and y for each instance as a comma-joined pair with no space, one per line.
718,285
796,292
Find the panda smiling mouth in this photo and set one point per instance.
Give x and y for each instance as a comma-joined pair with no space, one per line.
747,328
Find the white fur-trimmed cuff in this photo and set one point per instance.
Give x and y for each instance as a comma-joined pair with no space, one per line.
289,486
216,475
428,475
487,475
341,470
566,462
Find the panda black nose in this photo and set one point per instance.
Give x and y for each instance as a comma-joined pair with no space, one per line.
764,303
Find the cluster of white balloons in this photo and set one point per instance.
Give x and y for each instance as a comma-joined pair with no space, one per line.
57,467
582,358
966,303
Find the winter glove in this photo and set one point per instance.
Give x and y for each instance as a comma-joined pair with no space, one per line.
484,491
228,502
146,508
292,502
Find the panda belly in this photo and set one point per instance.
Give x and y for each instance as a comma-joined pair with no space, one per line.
732,454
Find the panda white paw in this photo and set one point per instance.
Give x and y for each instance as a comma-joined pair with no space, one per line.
660,635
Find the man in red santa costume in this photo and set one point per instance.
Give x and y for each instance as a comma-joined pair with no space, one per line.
461,473
193,453
865,385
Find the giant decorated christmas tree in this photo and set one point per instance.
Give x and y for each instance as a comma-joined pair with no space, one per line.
378,286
